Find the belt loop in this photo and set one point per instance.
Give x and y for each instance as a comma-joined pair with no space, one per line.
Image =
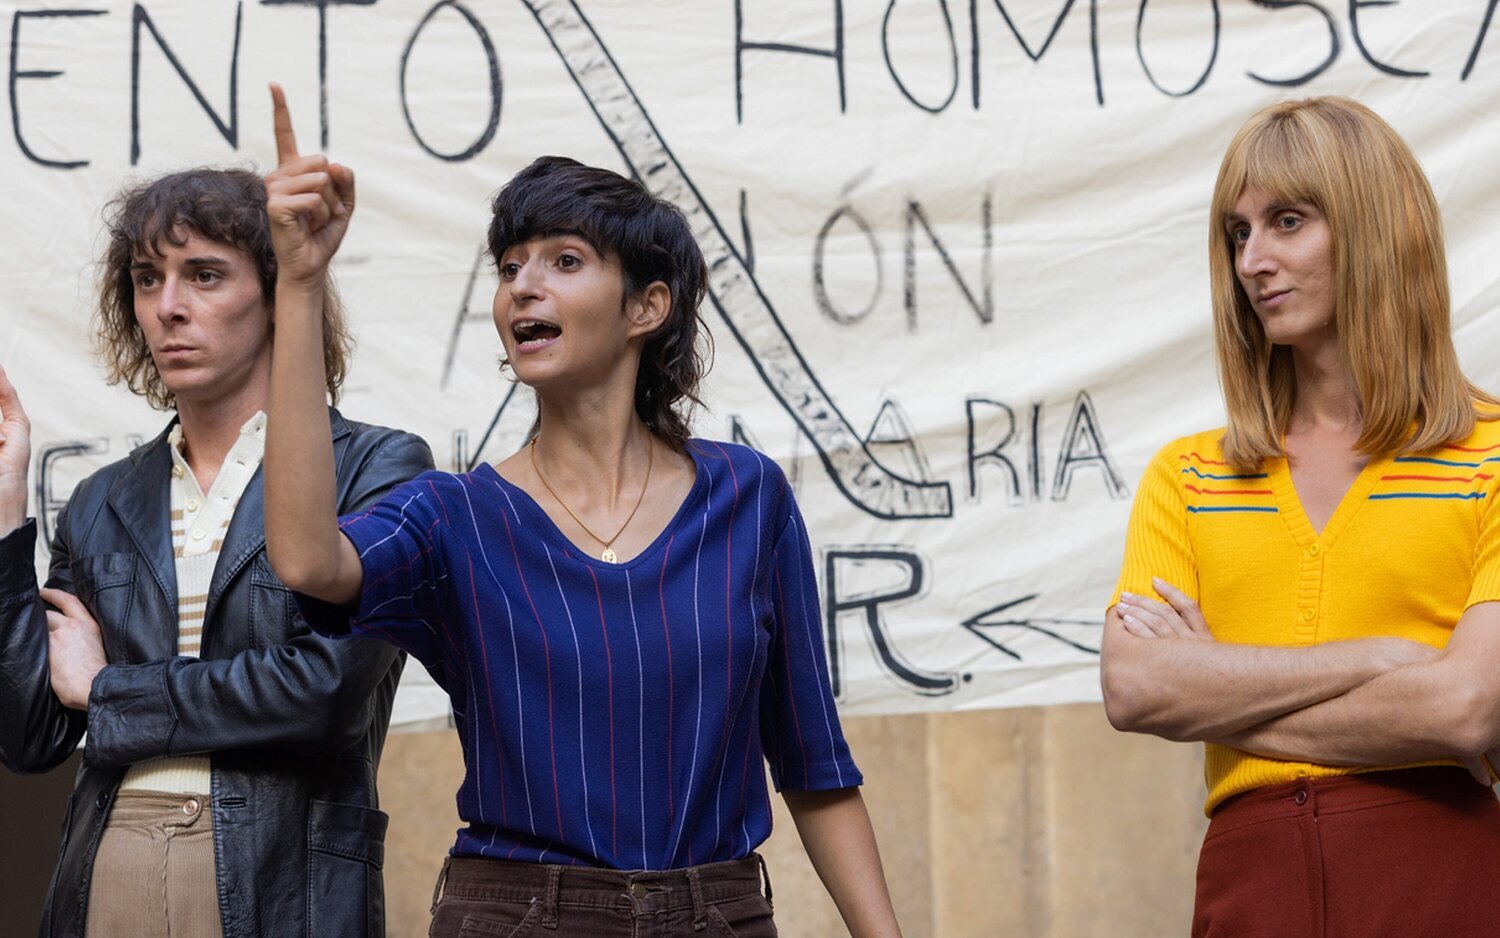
765,873
695,886
549,904
437,888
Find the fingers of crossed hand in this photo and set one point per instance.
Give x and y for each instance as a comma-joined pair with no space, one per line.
75,649
69,611
1145,617
1479,770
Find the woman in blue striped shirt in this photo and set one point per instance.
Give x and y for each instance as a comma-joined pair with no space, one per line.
625,618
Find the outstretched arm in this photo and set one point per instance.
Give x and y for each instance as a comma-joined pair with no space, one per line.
1162,673
836,832
310,201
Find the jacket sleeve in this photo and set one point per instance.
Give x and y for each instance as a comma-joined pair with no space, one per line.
36,731
309,692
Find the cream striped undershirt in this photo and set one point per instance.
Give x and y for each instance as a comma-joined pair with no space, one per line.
199,523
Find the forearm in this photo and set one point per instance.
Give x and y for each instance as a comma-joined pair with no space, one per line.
36,731
303,541
1200,690
1342,732
309,693
836,832
12,507
1416,713
1445,707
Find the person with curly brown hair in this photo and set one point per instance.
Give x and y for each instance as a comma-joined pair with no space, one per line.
227,781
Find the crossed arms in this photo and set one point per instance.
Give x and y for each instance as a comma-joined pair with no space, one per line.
1374,701
307,692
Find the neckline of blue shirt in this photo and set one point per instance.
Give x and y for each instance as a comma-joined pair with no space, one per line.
524,502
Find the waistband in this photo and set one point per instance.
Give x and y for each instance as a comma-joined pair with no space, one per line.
646,891
1343,793
143,807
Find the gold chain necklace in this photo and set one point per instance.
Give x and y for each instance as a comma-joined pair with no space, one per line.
609,555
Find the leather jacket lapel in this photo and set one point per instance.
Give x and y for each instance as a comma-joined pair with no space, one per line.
142,500
247,529
244,539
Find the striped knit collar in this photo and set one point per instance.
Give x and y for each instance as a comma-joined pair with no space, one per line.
248,449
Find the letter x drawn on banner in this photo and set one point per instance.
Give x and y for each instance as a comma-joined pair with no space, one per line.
732,287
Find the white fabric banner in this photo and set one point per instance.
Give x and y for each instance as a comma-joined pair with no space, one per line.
959,287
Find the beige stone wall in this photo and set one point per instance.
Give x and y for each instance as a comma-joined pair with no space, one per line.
1033,823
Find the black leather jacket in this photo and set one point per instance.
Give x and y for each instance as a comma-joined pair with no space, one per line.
293,723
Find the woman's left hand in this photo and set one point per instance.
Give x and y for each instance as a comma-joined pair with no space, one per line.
1178,617
309,200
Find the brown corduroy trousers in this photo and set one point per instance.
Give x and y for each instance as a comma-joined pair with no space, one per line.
154,870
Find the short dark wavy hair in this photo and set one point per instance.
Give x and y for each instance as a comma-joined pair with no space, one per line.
223,205
651,240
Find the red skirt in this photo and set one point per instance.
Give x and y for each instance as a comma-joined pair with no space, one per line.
1406,853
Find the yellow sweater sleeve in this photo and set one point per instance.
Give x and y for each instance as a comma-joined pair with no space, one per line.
1158,542
1485,586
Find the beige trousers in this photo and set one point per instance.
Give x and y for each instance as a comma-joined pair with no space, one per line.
154,870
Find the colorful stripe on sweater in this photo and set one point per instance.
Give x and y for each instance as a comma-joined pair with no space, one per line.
1451,473
1210,487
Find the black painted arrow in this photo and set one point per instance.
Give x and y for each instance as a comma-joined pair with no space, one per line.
987,619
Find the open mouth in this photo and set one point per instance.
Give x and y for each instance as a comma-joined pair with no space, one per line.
530,333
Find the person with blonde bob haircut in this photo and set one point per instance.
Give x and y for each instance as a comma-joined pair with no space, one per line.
1313,591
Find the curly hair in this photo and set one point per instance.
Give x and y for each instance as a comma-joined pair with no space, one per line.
223,205
651,240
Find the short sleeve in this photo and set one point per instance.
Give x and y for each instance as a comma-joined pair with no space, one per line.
1485,583
800,731
400,545
1158,542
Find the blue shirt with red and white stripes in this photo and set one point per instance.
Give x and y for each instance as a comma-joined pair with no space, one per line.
611,715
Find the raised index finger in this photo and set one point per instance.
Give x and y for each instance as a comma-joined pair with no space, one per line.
286,140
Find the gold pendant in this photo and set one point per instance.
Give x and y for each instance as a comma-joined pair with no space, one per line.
608,556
